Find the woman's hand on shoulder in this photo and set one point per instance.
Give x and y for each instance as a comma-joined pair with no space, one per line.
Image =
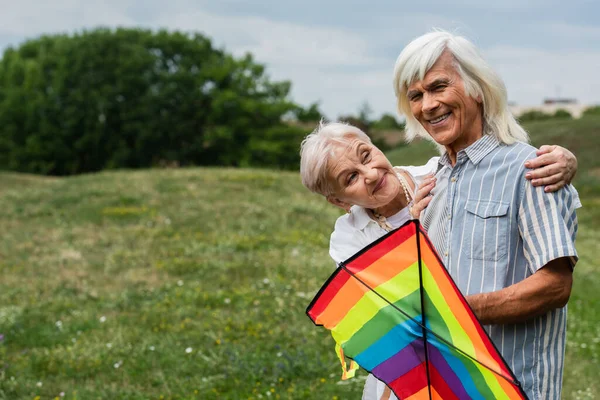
554,167
422,196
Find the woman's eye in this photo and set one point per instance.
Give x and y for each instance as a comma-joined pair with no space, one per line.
415,97
439,88
352,177
366,156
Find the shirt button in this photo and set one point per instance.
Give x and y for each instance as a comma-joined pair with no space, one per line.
449,216
453,179
446,254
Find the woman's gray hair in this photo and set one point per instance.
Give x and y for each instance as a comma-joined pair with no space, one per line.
480,81
317,149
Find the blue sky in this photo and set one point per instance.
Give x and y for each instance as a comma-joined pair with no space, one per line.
342,53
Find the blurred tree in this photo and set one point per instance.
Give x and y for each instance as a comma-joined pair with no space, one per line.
534,115
134,98
387,122
595,110
364,113
312,113
562,114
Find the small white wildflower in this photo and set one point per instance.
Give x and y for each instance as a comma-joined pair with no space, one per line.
62,394
227,300
58,324
188,350
109,345
266,281
295,252
167,221
79,333
583,345
12,378
268,394
301,294
73,340
151,348
279,354
180,283
118,363
102,319
39,384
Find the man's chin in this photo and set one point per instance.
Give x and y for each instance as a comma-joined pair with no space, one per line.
443,138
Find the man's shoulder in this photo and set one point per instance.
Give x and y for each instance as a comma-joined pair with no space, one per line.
517,152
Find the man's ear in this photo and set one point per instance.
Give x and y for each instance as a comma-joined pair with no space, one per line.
339,203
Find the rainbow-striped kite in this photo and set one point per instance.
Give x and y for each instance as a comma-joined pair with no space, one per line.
394,309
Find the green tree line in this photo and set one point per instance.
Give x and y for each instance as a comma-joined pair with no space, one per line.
130,98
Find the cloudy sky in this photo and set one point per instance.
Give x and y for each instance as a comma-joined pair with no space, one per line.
342,53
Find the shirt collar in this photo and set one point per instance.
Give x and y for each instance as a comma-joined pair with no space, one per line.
359,217
475,152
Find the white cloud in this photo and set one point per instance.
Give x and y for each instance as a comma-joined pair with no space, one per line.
275,42
29,18
570,31
533,74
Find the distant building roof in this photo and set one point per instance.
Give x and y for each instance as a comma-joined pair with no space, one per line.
558,100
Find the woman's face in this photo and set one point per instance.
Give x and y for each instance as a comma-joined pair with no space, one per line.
361,175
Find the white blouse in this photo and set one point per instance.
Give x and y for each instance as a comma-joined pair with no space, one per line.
356,230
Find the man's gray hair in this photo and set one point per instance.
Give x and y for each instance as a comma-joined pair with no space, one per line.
480,80
318,148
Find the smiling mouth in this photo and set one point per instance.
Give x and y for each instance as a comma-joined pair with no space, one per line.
439,119
380,184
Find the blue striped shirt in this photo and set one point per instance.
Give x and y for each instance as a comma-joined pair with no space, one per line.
492,229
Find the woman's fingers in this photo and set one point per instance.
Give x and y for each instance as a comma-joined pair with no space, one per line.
552,183
422,197
544,173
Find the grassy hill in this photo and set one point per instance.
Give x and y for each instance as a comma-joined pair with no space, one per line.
192,283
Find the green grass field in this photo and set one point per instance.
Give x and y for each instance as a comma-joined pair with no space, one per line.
192,284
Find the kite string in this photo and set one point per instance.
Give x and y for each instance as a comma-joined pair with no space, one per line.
430,331
422,295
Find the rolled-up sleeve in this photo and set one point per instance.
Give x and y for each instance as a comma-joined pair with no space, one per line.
548,225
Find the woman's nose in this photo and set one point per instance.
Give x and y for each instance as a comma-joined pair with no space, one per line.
371,175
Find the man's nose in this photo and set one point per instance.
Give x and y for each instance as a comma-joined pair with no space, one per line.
430,103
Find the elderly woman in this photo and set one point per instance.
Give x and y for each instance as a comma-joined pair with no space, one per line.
339,162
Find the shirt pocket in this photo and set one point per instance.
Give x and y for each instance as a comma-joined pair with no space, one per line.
487,229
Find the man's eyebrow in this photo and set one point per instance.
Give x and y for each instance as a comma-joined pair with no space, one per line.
410,93
438,81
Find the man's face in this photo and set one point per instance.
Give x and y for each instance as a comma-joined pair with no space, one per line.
362,175
441,106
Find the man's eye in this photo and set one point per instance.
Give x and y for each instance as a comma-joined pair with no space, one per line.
366,156
439,88
415,97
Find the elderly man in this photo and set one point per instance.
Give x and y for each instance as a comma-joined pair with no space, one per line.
508,245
